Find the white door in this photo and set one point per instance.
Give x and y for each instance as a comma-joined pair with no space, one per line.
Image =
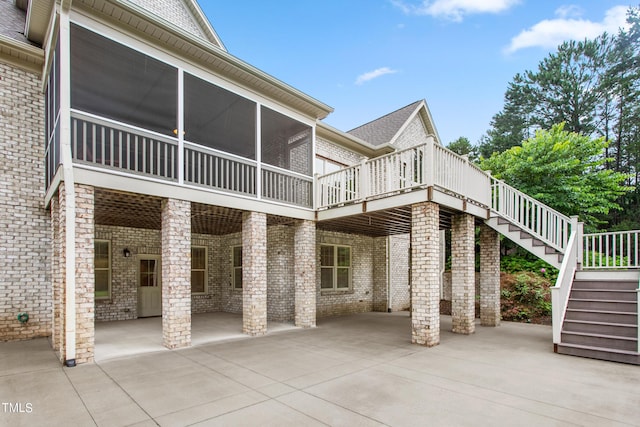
149,286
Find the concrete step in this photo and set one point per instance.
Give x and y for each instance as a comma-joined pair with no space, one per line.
604,294
600,341
621,356
601,328
626,318
604,284
603,305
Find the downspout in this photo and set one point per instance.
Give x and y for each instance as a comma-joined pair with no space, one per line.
69,185
389,294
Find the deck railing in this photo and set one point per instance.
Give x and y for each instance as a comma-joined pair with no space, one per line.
532,216
217,170
101,142
420,166
613,250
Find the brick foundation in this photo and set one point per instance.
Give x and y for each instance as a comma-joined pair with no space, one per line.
305,277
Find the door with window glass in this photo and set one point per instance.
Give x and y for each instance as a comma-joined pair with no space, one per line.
149,286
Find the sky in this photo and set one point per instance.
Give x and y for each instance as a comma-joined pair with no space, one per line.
367,58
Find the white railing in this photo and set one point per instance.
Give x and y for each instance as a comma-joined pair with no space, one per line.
285,186
612,250
420,166
221,171
102,142
533,217
560,292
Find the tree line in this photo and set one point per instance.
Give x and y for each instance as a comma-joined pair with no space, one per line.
569,131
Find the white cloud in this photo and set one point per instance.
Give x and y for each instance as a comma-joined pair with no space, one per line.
363,78
552,32
454,10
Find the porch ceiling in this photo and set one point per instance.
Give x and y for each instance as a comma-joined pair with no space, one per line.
380,223
116,208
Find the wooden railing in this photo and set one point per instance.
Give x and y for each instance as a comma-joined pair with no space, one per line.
286,186
533,217
101,142
420,166
217,170
104,143
617,250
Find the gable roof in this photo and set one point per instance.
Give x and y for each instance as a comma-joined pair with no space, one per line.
386,129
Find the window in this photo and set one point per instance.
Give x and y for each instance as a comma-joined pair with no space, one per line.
325,166
102,268
198,270
335,267
236,263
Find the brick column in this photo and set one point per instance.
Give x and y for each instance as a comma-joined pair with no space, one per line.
463,288
305,274
58,272
84,273
254,273
489,276
425,283
176,273
379,267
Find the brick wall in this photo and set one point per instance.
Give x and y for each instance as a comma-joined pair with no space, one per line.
399,246
360,298
25,278
414,134
336,153
123,304
173,11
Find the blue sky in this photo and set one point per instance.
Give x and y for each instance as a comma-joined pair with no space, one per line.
367,58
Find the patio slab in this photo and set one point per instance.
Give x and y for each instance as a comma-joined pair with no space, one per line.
356,370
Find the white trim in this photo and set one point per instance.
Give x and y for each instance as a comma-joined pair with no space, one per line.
258,141
180,128
114,180
69,186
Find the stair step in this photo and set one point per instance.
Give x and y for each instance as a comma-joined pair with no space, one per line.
513,227
503,221
603,305
604,294
601,341
612,355
601,328
627,318
604,284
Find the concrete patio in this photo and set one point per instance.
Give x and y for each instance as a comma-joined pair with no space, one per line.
355,371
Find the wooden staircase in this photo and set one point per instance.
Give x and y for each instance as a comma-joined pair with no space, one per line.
524,239
601,320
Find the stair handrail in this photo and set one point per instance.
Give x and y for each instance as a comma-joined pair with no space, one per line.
562,288
532,216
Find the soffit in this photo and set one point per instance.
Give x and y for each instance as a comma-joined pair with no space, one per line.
21,55
38,16
206,54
